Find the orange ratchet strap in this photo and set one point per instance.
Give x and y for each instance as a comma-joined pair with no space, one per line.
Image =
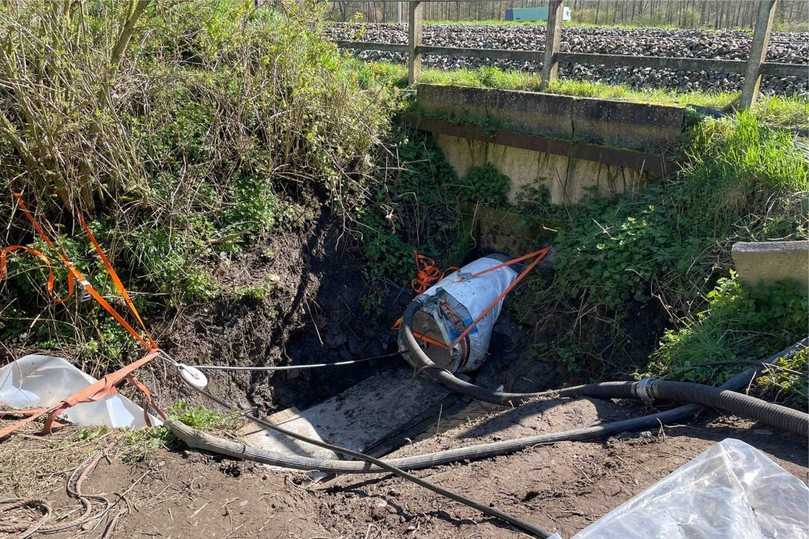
92,393
106,386
537,256
5,251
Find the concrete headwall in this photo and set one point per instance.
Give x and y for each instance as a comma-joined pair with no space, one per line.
566,178
567,144
772,261
603,121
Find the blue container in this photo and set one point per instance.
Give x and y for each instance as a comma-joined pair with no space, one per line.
528,14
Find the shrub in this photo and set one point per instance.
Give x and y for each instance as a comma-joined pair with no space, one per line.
659,252
186,130
740,324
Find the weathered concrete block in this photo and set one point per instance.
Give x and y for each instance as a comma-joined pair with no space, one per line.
526,111
632,125
615,123
772,261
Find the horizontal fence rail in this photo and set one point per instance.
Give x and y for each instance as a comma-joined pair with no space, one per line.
660,62
753,69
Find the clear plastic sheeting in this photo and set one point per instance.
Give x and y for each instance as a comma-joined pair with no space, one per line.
36,381
732,490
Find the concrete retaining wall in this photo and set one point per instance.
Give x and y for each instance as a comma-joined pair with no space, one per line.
566,178
567,144
603,121
772,261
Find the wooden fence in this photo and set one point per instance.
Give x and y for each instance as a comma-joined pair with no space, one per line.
754,68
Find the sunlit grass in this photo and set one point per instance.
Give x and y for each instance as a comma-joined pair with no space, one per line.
778,111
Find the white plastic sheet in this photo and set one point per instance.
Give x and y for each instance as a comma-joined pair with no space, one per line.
732,490
43,381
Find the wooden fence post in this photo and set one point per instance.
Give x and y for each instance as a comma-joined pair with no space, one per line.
553,36
758,52
414,41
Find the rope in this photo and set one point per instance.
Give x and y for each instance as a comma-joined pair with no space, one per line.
293,367
427,273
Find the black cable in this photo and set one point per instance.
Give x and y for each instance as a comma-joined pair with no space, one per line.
523,525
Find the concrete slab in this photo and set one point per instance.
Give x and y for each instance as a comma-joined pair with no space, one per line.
772,261
356,419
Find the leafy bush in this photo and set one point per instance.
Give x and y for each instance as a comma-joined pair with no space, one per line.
417,209
486,185
425,207
186,130
662,250
741,181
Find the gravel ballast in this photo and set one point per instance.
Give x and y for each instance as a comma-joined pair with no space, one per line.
785,47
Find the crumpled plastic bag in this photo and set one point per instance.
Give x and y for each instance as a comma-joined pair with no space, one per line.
731,490
37,381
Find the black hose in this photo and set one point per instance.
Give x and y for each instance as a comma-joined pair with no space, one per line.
729,401
198,439
201,440
739,404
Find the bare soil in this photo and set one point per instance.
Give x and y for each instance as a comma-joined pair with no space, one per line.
563,486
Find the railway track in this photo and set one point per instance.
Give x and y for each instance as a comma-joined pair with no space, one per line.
790,48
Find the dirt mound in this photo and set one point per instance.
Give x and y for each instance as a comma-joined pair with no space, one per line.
296,299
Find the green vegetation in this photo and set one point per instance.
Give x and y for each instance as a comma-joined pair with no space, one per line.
740,325
141,443
666,246
425,208
631,265
776,111
189,140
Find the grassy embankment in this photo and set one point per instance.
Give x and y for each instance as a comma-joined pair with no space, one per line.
777,111
189,133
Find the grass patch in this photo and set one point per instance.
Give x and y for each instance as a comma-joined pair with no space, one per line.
140,444
740,325
775,111
579,88
789,112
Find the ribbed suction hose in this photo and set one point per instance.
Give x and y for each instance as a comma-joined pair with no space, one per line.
423,364
775,415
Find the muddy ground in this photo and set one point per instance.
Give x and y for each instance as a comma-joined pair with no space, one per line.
314,312
564,486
